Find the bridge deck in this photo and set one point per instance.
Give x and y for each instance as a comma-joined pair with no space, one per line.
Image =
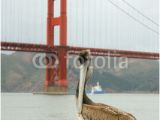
25,47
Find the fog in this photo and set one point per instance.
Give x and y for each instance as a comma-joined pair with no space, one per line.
91,23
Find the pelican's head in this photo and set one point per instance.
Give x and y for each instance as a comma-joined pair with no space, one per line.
84,56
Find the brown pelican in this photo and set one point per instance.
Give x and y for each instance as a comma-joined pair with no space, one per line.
87,109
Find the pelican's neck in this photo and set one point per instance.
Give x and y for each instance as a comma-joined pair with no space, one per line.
81,86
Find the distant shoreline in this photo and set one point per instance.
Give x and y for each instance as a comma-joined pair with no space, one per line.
41,93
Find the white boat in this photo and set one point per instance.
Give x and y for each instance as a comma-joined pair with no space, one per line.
97,89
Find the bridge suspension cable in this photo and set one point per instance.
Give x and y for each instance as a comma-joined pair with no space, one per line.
134,18
139,12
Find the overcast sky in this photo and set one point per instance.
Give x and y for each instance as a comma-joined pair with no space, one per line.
91,23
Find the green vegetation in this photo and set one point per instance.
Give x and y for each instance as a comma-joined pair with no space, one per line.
19,75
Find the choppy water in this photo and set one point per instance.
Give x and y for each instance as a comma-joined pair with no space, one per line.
44,107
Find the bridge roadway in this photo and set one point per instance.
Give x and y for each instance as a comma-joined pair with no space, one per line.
26,47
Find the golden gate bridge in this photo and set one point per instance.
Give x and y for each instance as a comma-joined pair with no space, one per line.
62,50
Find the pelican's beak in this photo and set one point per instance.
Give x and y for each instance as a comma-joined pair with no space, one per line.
83,57
81,87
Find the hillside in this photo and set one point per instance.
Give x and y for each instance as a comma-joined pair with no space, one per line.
19,75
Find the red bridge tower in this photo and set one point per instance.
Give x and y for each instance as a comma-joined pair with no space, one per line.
60,21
